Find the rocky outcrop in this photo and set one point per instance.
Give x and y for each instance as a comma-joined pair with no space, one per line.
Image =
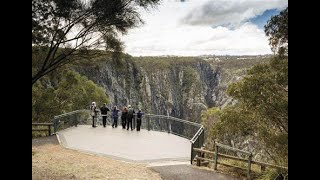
176,87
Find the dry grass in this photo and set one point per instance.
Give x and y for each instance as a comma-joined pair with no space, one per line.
51,161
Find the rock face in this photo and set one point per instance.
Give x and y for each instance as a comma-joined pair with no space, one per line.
179,88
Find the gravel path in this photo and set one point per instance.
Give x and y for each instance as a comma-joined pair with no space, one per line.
52,161
188,172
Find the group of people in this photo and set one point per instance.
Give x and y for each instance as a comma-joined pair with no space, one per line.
127,116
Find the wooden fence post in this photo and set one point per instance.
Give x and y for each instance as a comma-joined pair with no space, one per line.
215,156
249,166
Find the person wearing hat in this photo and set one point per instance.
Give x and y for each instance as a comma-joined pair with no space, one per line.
104,111
94,112
130,117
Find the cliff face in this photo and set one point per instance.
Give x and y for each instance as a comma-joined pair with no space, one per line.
167,86
176,86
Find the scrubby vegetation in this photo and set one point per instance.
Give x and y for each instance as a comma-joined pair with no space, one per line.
258,122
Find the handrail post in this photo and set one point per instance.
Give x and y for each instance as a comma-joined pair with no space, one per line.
54,125
49,130
216,156
249,166
148,123
134,121
198,154
191,153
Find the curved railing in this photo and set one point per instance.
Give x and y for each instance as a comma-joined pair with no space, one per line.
186,129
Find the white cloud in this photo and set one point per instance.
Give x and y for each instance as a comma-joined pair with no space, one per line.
164,34
230,13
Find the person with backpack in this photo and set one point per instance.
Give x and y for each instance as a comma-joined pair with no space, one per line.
115,116
139,117
104,111
124,117
130,117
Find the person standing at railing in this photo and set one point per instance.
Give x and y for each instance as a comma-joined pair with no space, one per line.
104,111
130,117
139,117
94,113
115,116
124,117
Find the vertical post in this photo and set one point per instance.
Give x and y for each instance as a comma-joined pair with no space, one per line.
54,125
191,153
198,160
49,130
215,156
134,121
148,123
198,154
77,120
202,137
249,166
168,123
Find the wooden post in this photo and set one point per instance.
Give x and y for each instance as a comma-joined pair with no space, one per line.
49,130
215,156
198,160
249,166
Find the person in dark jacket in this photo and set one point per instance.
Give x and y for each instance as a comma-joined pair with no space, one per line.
115,116
130,117
139,117
124,117
104,111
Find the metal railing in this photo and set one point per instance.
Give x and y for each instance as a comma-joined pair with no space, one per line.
180,127
197,141
70,119
186,129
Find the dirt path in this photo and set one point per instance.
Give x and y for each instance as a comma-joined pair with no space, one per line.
187,172
52,161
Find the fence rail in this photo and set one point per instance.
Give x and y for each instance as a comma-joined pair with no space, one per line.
47,125
200,158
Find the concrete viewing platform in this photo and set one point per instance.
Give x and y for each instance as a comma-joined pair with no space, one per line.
144,146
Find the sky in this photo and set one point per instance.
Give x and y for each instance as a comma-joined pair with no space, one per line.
203,27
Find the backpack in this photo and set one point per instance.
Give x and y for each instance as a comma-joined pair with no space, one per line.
130,112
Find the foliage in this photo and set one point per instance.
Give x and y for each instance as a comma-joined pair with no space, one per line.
162,63
189,78
261,113
277,30
272,174
76,26
64,92
260,117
